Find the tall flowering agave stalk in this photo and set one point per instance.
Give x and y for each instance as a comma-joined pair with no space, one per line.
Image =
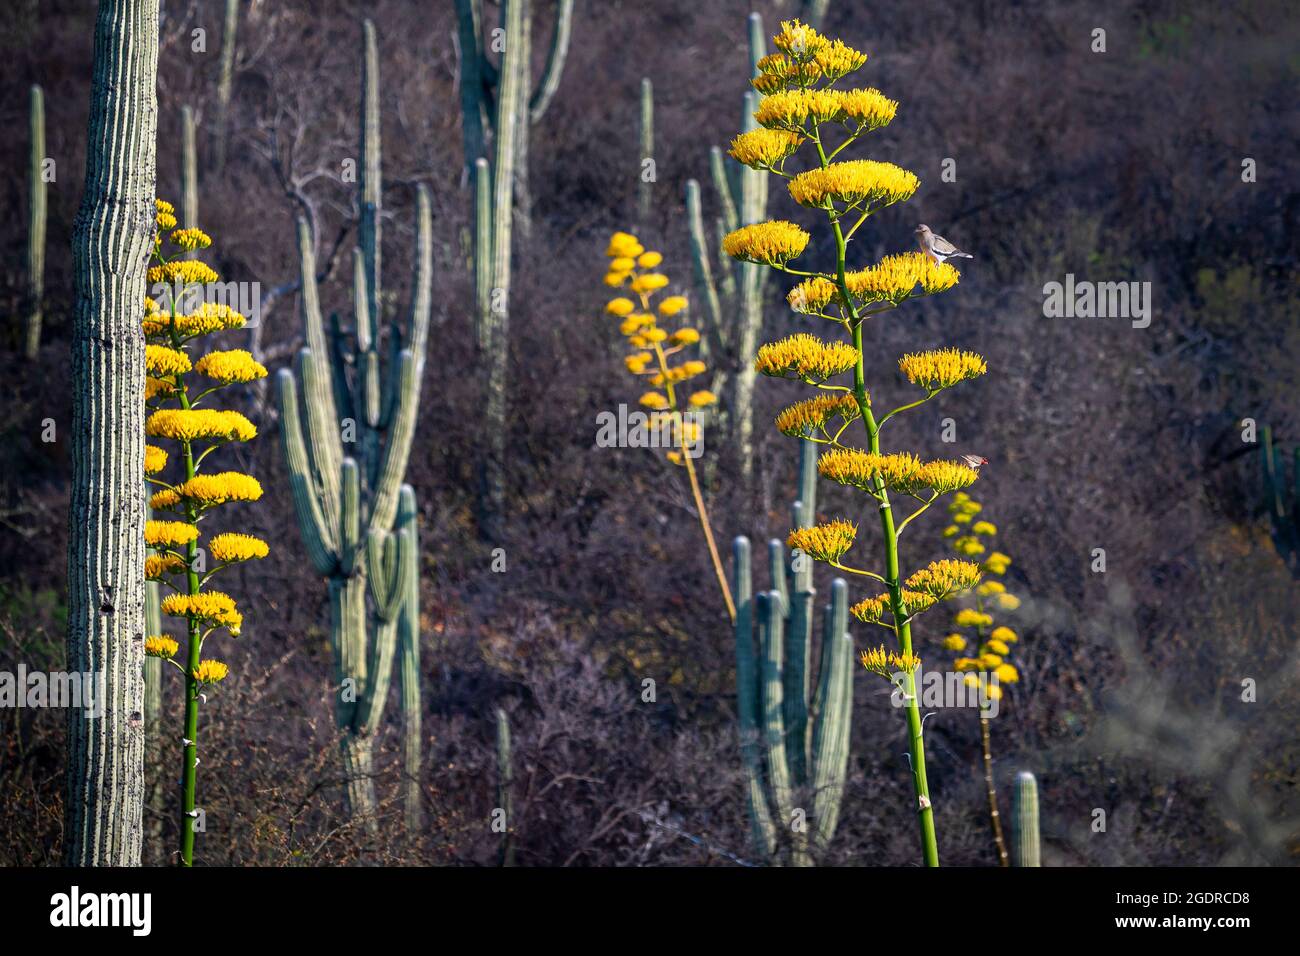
801,108
178,389
975,629
656,355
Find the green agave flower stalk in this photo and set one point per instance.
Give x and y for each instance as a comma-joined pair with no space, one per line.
177,391
347,450
801,106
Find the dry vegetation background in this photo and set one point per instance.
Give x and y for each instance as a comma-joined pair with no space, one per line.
1114,167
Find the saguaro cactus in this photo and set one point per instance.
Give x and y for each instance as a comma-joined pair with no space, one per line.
732,294
36,207
483,83
1024,812
792,747
112,240
1281,501
347,501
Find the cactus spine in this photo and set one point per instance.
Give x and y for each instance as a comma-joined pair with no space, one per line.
36,211
112,240
645,184
225,82
1024,811
733,293
1283,503
347,504
505,780
792,746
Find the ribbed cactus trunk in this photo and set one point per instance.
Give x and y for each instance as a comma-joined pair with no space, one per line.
505,784
408,651
225,83
1024,811
645,185
794,747
347,446
814,12
498,104
733,294
112,239
189,171
36,213
1282,499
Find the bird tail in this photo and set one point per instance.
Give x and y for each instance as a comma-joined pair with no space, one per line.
963,255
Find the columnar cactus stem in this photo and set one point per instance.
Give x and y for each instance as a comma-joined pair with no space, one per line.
733,294
645,186
505,780
814,12
225,82
36,211
1024,811
497,108
112,240
480,83
189,172
1281,502
153,709
408,650
772,693
356,517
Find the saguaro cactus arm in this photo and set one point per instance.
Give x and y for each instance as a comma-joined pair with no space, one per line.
318,533
370,182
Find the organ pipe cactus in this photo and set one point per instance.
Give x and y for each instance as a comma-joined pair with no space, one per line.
732,293
111,243
483,84
189,171
493,216
1024,812
794,748
347,449
1281,501
36,212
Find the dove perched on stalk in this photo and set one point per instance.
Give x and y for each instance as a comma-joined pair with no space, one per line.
937,247
973,461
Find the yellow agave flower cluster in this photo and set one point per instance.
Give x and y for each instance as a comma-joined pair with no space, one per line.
655,352
985,646
802,110
176,387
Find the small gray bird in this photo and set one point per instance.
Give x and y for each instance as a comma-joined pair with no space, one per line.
937,247
973,461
